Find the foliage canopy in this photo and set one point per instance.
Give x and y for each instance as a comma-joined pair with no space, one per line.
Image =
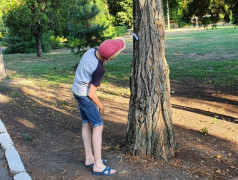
212,11
29,19
84,30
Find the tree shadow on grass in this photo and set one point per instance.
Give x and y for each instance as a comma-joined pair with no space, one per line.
207,113
195,91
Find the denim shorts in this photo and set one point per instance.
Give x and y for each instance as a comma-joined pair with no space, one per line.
88,111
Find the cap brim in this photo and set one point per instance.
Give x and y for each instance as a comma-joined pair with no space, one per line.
121,44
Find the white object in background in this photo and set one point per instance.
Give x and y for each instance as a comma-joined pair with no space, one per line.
133,34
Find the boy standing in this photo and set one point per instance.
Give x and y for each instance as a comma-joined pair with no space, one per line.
87,79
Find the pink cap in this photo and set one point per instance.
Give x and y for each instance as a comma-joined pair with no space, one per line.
110,48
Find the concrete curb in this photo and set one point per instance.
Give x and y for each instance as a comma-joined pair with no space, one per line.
13,159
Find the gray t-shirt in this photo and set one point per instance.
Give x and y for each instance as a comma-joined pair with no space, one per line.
89,71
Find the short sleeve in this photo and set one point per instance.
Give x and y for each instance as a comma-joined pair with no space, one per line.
98,74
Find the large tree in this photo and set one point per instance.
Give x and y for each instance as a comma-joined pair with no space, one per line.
150,129
32,18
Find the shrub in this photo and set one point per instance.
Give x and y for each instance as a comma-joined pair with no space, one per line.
119,30
56,42
181,23
17,45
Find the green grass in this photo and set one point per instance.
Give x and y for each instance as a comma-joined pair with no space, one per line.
118,70
207,56
219,73
201,42
55,68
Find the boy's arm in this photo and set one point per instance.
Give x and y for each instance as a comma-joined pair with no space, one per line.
92,95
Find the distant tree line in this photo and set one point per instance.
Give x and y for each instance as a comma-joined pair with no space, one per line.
39,25
36,25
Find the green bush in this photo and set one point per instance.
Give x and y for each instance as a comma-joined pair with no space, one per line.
181,23
56,42
45,43
14,43
119,30
17,45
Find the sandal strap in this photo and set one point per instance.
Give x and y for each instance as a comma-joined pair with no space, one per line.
106,169
109,170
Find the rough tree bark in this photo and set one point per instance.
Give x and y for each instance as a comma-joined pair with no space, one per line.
150,129
2,68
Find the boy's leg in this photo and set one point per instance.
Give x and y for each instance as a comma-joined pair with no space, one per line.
97,146
87,141
90,110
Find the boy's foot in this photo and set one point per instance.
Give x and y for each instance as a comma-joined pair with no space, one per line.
90,165
89,161
107,171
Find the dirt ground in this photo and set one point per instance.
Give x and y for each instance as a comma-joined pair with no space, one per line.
45,126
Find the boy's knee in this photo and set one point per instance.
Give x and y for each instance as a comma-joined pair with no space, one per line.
98,128
86,125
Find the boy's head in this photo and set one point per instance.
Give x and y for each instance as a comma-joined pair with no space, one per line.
110,48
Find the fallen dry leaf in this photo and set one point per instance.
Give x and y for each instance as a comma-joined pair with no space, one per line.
120,161
218,171
106,148
124,172
232,167
218,156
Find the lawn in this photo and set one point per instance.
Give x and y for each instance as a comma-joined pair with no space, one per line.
208,56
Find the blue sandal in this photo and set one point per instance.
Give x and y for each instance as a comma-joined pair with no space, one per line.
107,169
104,161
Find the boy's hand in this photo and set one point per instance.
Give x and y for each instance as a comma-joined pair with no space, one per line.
102,110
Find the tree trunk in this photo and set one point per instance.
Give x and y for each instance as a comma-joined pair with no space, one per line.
2,68
38,44
168,14
150,129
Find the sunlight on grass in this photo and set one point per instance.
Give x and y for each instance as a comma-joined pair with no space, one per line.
176,37
208,56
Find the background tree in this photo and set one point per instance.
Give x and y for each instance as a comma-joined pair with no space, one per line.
149,129
168,16
33,18
84,30
121,11
2,33
212,11
2,67
173,10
